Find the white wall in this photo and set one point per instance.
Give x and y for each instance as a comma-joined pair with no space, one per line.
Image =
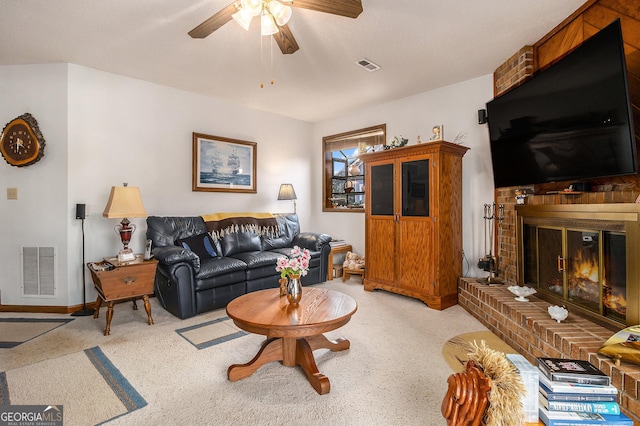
38,218
104,129
126,130
455,107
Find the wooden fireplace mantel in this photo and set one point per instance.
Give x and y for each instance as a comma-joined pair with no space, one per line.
623,212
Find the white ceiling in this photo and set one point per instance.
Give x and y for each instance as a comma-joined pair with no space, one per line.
420,45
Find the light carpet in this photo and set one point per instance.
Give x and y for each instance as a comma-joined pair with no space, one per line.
14,331
455,351
393,373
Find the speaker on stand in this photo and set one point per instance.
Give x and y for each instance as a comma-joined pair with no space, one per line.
80,214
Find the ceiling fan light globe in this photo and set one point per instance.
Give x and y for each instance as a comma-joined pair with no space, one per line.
267,25
280,12
243,17
252,6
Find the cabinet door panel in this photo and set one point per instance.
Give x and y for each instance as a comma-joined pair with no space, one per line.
416,255
381,250
415,188
381,191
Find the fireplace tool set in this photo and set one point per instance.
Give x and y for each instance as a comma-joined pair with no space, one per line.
489,262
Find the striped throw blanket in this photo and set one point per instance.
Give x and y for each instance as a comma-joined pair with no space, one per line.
221,224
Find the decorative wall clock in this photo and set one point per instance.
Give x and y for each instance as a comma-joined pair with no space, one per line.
21,143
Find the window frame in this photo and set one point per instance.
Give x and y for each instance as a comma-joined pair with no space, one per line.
360,139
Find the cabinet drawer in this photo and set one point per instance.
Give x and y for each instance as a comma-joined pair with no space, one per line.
127,281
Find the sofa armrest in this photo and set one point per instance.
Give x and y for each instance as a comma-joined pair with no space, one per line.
175,289
171,255
311,240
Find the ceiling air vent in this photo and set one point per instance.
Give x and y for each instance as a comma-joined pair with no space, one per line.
368,65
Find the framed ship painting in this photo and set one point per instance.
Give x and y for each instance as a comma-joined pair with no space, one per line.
223,164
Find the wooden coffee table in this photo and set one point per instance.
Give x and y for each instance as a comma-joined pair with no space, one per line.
293,332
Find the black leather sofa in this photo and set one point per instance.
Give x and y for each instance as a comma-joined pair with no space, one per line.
187,284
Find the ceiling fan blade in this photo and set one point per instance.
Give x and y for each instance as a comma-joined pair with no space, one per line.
286,40
213,23
348,8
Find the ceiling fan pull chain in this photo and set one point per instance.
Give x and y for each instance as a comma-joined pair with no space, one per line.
261,49
271,50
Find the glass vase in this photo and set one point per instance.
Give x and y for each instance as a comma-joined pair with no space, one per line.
294,289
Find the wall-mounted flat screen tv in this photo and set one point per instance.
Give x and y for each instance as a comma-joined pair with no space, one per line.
571,121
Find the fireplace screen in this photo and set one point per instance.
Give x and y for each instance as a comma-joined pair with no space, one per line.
584,267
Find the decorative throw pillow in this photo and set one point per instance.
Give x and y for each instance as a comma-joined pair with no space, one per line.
624,345
201,244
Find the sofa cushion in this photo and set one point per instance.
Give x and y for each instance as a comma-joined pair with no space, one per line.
219,266
240,242
201,244
256,259
164,231
288,227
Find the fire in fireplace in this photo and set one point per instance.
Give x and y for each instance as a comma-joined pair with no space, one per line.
580,261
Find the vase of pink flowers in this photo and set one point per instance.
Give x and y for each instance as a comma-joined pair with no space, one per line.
291,268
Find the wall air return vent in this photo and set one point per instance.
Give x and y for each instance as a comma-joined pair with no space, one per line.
38,271
368,65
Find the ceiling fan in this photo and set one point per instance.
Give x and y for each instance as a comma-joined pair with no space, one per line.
274,16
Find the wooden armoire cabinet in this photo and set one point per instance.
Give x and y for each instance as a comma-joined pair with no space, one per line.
413,228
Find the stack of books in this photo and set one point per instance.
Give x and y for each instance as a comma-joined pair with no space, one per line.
337,243
574,392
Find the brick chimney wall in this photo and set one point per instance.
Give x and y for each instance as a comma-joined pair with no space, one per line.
586,21
514,71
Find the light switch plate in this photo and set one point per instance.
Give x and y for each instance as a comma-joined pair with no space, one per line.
12,193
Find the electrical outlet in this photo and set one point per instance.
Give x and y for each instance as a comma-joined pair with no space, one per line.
12,193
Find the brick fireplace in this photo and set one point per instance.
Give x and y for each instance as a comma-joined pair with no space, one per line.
584,257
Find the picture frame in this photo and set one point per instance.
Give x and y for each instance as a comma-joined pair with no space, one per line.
362,147
437,133
223,164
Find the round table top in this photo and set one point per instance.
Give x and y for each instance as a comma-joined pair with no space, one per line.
266,312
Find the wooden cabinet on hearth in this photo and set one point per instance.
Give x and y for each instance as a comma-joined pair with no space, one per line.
413,221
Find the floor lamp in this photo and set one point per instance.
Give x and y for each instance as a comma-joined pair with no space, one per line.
80,214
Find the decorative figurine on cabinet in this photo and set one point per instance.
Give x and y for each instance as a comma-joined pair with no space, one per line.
436,133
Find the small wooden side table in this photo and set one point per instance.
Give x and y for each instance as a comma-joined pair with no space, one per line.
128,280
347,272
334,250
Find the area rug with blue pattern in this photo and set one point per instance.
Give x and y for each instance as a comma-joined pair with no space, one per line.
84,382
211,333
14,331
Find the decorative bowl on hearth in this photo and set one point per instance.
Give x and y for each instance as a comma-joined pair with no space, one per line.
558,313
521,292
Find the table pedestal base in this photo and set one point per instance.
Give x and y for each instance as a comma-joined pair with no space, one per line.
291,352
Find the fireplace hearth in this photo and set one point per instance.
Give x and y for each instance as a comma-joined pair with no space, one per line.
583,257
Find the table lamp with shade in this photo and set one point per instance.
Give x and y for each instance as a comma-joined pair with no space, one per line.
288,193
125,202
